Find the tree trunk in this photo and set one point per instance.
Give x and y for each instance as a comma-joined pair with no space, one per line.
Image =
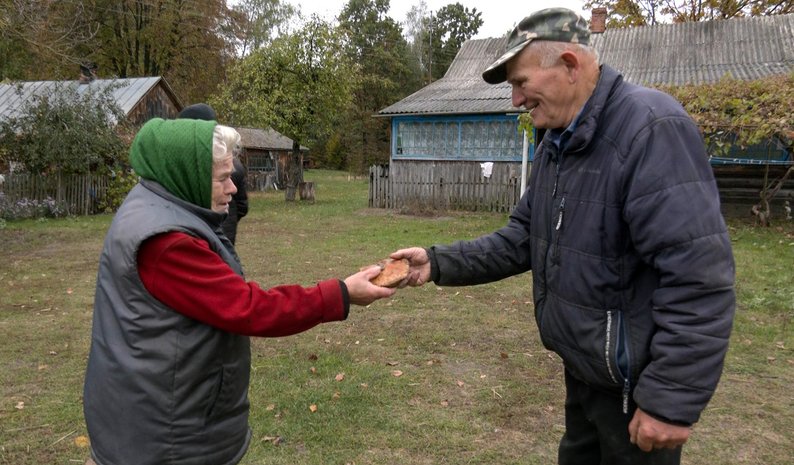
306,191
294,171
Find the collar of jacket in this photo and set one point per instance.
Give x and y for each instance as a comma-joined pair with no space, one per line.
591,112
212,218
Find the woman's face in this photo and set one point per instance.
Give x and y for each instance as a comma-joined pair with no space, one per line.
222,186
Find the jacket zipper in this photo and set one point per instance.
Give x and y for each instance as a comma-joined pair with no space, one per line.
620,333
552,227
558,226
623,341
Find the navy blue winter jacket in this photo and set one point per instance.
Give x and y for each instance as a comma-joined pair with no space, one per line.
631,262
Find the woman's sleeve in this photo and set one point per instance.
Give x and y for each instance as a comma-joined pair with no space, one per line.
183,273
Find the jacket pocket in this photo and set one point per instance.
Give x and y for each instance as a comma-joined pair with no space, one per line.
217,389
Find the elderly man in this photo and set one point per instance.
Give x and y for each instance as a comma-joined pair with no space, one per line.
631,262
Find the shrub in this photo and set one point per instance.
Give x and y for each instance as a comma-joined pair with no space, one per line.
121,182
26,208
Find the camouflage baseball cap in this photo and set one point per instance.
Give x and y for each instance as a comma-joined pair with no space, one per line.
557,24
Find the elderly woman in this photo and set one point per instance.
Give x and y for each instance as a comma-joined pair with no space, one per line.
169,364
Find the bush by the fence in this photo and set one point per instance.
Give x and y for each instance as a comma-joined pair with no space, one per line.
26,208
119,184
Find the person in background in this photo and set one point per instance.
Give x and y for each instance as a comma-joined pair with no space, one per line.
169,364
238,207
632,268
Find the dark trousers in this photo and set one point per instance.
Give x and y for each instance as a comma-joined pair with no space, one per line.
597,431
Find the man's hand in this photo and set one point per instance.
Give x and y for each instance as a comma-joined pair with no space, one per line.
362,291
419,271
649,433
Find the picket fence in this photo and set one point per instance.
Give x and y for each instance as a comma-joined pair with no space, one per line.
434,185
77,194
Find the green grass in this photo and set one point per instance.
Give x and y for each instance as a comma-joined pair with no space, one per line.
476,385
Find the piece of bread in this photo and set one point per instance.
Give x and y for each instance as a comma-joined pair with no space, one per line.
392,272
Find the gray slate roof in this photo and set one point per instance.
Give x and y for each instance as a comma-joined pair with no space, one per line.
127,95
265,139
673,54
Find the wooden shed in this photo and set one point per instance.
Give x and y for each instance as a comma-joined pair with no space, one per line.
449,136
265,154
139,98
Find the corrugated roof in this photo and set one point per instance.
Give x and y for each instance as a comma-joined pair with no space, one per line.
701,52
674,54
265,139
128,92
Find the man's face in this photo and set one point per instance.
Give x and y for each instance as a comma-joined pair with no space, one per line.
222,186
546,92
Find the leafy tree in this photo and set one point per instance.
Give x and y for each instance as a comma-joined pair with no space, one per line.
446,32
38,38
388,73
628,13
260,21
415,31
182,40
64,131
295,85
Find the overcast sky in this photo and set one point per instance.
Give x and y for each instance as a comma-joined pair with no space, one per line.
499,16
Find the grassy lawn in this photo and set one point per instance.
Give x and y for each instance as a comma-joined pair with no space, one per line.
432,376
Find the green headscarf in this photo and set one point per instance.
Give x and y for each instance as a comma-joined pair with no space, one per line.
178,155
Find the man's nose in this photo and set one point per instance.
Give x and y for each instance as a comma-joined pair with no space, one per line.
518,97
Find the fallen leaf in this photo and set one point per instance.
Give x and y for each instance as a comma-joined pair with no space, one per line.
396,373
313,357
336,395
503,354
275,440
81,441
20,405
461,383
270,407
313,408
340,377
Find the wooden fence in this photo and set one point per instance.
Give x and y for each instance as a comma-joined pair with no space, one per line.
444,185
434,185
77,194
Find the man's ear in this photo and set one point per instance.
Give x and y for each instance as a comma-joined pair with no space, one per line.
572,65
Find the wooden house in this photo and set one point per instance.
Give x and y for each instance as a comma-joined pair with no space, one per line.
455,143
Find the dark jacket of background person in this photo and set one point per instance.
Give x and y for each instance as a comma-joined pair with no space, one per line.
238,208
163,384
628,250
